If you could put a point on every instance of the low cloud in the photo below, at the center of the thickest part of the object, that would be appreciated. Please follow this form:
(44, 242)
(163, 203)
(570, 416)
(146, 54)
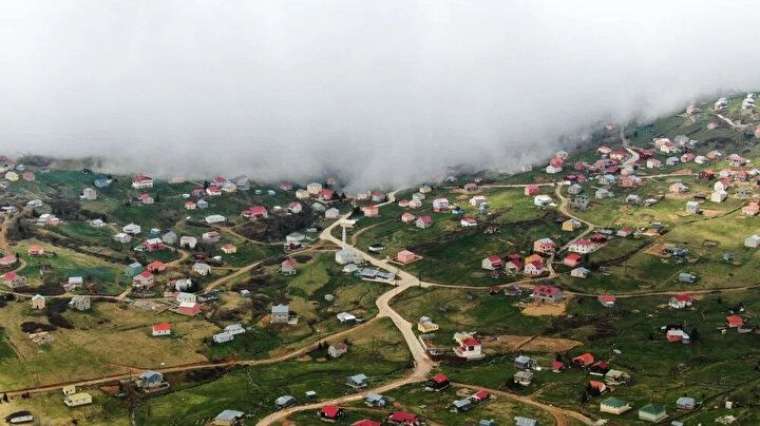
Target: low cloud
(378, 93)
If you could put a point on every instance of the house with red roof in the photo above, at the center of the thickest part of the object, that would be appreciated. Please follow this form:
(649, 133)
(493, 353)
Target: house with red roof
(142, 182)
(534, 265)
(481, 395)
(492, 263)
(153, 244)
(468, 222)
(440, 205)
(295, 207)
(371, 210)
(514, 263)
(424, 222)
(35, 250)
(468, 347)
(532, 190)
(13, 280)
(607, 300)
(734, 321)
(255, 212)
(405, 257)
(156, 267)
(162, 329)
(557, 366)
(8, 260)
(681, 301)
(330, 413)
(572, 260)
(546, 293)
(583, 360)
(544, 246)
(582, 246)
(143, 280)
(407, 217)
(326, 194)
(403, 418)
(366, 422)
(288, 266)
(438, 382)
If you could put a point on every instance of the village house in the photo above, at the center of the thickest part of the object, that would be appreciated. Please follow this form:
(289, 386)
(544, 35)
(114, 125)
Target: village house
(255, 212)
(572, 260)
(579, 202)
(371, 211)
(215, 219)
(153, 244)
(440, 205)
(653, 163)
(337, 350)
(407, 217)
(531, 190)
(718, 196)
(546, 293)
(142, 182)
(332, 213)
(607, 300)
(653, 413)
(201, 269)
(523, 377)
(426, 325)
(280, 314)
(603, 193)
(678, 188)
(582, 246)
(288, 266)
(753, 241)
(692, 207)
(156, 267)
(13, 280)
(406, 257)
(524, 362)
(534, 265)
(424, 222)
(686, 403)
(438, 382)
(614, 406)
(38, 302)
(681, 301)
(228, 418)
(544, 246)
(687, 278)
(187, 241)
(143, 281)
(734, 321)
(492, 263)
(89, 194)
(580, 272)
(468, 347)
(468, 222)
(357, 381)
(80, 303)
(571, 225)
(161, 329)
(542, 200)
(478, 200)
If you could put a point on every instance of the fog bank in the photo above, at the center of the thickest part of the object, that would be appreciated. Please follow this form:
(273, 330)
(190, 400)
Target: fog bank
(380, 93)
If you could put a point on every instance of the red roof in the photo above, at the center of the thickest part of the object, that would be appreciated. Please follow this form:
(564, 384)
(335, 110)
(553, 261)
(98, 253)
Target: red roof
(734, 321)
(607, 298)
(426, 219)
(10, 276)
(156, 265)
(190, 311)
(162, 326)
(683, 297)
(330, 411)
(482, 395)
(557, 365)
(440, 378)
(470, 341)
(327, 193)
(546, 290)
(494, 259)
(366, 422)
(141, 178)
(146, 274)
(584, 359)
(402, 416)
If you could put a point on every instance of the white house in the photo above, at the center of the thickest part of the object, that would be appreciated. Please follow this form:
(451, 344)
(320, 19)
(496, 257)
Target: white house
(202, 269)
(753, 241)
(131, 229)
(215, 219)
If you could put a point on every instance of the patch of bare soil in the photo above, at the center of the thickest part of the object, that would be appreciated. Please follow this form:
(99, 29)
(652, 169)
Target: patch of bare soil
(545, 309)
(515, 343)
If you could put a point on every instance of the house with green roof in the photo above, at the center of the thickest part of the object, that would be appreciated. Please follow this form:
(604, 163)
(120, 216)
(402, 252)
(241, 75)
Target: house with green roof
(654, 413)
(614, 406)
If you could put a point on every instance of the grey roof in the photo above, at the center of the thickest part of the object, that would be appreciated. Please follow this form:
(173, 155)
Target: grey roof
(358, 378)
(525, 421)
(280, 309)
(229, 415)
